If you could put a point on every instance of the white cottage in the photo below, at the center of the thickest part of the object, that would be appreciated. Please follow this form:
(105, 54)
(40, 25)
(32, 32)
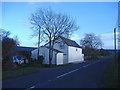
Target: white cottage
(72, 52)
(65, 51)
(44, 51)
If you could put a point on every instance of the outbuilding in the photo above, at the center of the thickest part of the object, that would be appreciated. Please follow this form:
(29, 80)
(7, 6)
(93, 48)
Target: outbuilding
(64, 51)
(57, 58)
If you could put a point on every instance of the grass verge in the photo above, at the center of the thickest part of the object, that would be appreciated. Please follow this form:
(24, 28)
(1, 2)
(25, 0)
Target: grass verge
(18, 72)
(110, 77)
(25, 70)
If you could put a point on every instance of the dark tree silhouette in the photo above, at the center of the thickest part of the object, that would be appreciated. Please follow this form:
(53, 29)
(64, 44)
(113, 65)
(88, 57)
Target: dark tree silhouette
(8, 46)
(90, 44)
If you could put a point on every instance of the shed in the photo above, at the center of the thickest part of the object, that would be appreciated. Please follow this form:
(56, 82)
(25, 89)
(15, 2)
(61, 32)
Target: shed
(57, 58)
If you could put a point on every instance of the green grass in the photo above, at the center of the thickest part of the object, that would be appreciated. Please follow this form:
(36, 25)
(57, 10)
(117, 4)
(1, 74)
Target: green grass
(18, 72)
(10, 71)
(25, 70)
(110, 78)
(54, 66)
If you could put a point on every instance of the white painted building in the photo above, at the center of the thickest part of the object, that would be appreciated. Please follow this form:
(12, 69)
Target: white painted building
(65, 51)
(44, 51)
(72, 52)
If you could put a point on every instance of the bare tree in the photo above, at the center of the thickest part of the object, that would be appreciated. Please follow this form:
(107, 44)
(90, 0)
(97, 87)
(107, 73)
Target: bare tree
(4, 33)
(49, 25)
(90, 44)
(91, 40)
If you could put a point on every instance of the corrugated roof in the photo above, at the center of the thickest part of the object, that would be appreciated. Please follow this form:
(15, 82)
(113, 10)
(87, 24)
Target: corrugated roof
(70, 42)
(21, 48)
(53, 49)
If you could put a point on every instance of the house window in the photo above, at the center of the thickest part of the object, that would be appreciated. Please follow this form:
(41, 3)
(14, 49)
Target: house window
(76, 49)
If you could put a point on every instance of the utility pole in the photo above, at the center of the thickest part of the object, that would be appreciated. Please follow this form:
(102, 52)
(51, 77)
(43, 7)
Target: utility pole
(115, 44)
(118, 31)
(38, 44)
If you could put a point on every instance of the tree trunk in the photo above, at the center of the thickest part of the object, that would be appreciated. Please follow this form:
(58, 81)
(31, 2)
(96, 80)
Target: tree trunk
(50, 52)
(50, 56)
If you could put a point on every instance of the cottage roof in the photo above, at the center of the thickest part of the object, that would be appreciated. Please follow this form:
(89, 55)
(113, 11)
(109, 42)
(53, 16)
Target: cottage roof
(21, 48)
(53, 49)
(70, 42)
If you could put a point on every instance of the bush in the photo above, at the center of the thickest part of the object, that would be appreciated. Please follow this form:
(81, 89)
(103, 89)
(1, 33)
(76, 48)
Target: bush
(36, 62)
(7, 64)
(40, 59)
(103, 52)
(27, 54)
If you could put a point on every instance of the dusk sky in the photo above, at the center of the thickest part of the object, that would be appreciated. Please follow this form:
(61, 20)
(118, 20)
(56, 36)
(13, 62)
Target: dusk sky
(92, 17)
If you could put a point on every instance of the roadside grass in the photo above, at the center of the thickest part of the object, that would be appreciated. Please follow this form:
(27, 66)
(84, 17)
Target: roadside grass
(54, 66)
(18, 72)
(25, 70)
(110, 77)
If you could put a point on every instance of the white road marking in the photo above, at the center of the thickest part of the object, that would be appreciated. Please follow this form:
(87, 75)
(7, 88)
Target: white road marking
(76, 69)
(31, 88)
(90, 64)
(67, 73)
(87, 65)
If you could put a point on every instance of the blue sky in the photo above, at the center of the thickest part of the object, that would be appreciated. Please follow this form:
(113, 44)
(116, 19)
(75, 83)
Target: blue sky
(92, 17)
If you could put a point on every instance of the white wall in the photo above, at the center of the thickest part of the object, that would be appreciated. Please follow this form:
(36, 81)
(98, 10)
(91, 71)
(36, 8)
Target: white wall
(54, 58)
(45, 53)
(46, 56)
(70, 54)
(64, 49)
(75, 54)
(59, 58)
(34, 53)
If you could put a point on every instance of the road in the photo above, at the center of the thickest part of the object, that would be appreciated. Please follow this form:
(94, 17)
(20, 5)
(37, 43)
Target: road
(83, 75)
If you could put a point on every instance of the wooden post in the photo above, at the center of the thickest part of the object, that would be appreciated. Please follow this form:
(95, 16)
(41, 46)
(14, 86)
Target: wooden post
(118, 32)
(38, 44)
(115, 44)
